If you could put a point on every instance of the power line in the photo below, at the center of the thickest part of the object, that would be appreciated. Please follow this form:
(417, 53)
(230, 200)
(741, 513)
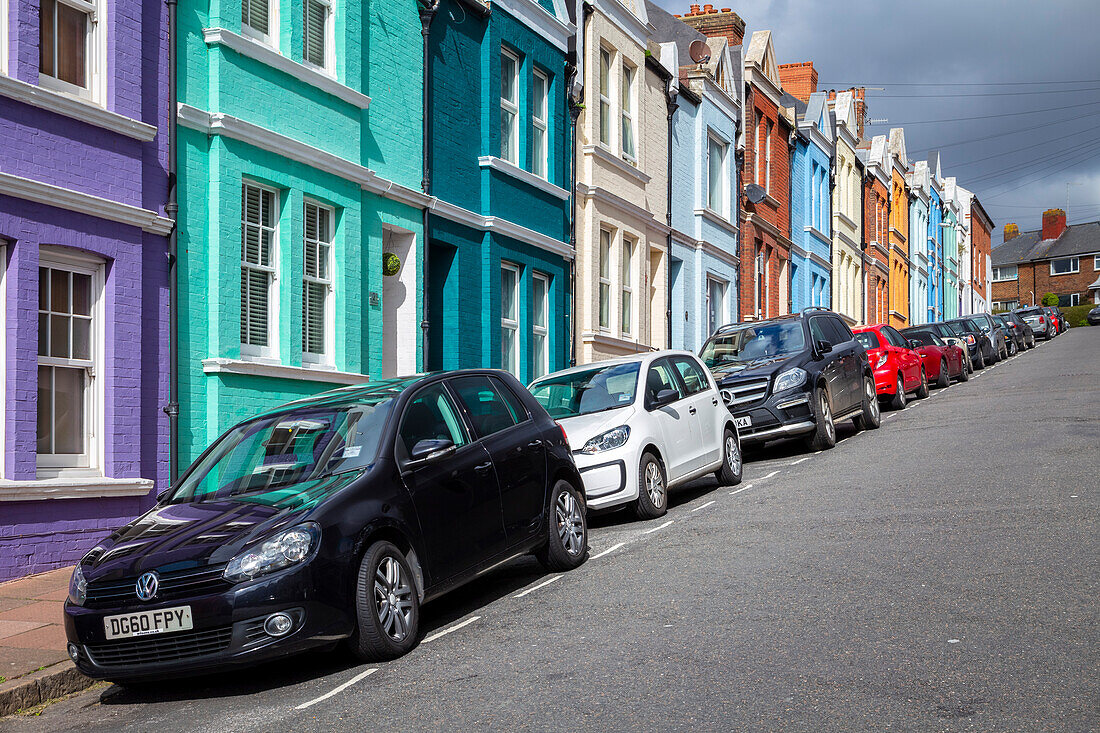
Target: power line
(1047, 141)
(999, 134)
(986, 117)
(960, 83)
(1048, 175)
(1043, 160)
(982, 94)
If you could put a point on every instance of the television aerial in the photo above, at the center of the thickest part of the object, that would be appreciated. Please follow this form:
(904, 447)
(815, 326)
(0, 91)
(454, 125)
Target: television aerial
(699, 51)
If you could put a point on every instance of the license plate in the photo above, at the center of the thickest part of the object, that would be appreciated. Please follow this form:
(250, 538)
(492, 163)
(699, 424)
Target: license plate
(144, 623)
(743, 422)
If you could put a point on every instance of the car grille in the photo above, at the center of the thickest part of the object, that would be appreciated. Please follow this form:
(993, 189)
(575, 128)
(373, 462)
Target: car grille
(168, 648)
(176, 584)
(742, 393)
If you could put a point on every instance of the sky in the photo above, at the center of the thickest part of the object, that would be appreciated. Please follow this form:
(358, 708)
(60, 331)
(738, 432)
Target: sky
(937, 61)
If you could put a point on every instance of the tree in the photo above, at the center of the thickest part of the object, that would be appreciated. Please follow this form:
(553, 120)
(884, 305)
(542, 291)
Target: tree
(1049, 299)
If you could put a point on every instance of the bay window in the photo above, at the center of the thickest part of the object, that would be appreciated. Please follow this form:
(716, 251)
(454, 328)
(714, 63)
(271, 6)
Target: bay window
(509, 107)
(605, 278)
(258, 270)
(716, 176)
(317, 327)
(626, 276)
(716, 304)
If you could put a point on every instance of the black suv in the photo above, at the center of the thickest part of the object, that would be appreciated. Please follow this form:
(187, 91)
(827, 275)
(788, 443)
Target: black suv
(334, 517)
(793, 375)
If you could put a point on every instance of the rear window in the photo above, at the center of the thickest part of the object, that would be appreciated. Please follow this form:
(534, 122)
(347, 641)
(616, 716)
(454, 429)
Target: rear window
(869, 339)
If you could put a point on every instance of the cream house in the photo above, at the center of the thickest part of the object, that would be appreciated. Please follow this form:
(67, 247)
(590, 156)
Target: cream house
(847, 257)
(621, 183)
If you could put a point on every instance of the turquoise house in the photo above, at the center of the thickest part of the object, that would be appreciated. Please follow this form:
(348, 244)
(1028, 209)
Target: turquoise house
(704, 263)
(300, 204)
(920, 188)
(499, 253)
(936, 265)
(811, 204)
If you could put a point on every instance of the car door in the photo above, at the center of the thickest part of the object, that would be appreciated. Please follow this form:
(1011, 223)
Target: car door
(671, 422)
(457, 498)
(844, 342)
(514, 442)
(908, 360)
(703, 406)
(831, 367)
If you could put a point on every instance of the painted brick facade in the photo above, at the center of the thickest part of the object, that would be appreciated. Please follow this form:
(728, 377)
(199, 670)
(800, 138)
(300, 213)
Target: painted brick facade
(811, 204)
(120, 237)
(876, 225)
(899, 230)
(847, 278)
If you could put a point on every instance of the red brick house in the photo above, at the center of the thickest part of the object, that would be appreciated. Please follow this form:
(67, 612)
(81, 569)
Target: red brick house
(981, 232)
(876, 226)
(1058, 258)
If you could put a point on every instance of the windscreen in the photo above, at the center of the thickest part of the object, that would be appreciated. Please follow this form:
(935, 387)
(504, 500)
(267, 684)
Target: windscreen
(587, 391)
(754, 341)
(869, 339)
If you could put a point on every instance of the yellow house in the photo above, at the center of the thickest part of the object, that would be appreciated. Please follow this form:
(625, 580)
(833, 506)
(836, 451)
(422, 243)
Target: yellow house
(899, 230)
(847, 225)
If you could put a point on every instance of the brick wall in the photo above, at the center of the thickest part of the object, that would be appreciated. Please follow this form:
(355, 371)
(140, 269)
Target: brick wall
(715, 23)
(799, 79)
(1035, 277)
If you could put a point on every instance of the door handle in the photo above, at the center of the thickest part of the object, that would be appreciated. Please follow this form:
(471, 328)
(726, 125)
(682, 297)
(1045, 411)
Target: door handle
(483, 467)
(714, 401)
(691, 409)
(535, 444)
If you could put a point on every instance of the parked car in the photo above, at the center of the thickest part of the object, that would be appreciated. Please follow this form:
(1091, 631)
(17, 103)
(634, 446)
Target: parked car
(942, 361)
(1063, 324)
(641, 425)
(1054, 319)
(795, 375)
(994, 331)
(1040, 321)
(333, 517)
(978, 346)
(1021, 326)
(897, 367)
(1014, 341)
(1094, 316)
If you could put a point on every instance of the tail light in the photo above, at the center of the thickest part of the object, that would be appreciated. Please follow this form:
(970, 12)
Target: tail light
(881, 359)
(970, 339)
(1041, 320)
(564, 436)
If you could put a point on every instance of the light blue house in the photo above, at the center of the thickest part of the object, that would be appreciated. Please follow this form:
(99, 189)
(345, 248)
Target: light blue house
(704, 264)
(920, 189)
(811, 205)
(936, 265)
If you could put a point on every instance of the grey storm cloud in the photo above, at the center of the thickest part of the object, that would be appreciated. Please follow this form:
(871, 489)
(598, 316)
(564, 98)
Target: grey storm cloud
(942, 60)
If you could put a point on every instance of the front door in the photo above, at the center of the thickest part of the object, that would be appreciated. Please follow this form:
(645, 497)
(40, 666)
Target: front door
(672, 420)
(457, 498)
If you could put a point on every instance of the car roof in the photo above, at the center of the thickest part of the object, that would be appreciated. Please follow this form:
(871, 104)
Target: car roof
(640, 358)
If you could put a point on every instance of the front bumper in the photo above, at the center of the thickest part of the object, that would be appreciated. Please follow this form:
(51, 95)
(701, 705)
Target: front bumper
(775, 416)
(228, 630)
(610, 477)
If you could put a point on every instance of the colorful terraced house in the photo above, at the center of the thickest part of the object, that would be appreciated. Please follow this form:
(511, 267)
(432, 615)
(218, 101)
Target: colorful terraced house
(936, 266)
(876, 222)
(899, 229)
(847, 231)
(919, 184)
(811, 204)
(952, 293)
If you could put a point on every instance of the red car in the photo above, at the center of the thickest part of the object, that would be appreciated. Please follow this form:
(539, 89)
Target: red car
(942, 361)
(898, 369)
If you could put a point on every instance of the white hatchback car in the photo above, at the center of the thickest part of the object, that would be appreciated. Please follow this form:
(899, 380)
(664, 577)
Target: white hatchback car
(641, 424)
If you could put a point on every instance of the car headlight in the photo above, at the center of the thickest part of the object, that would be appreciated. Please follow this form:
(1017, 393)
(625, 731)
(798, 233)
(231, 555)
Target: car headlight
(880, 360)
(287, 548)
(78, 587)
(790, 379)
(614, 438)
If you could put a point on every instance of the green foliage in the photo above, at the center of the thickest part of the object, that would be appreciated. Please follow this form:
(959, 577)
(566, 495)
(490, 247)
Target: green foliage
(1077, 315)
(391, 264)
(1049, 299)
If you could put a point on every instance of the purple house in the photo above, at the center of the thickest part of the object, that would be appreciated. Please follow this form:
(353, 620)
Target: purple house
(83, 273)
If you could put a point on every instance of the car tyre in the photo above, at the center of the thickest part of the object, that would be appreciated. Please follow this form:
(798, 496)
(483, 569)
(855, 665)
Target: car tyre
(945, 377)
(566, 530)
(981, 360)
(899, 399)
(387, 605)
(824, 435)
(652, 488)
(733, 464)
(871, 417)
(964, 374)
(922, 390)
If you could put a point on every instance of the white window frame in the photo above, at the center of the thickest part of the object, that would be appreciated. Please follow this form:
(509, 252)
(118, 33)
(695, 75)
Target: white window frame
(540, 356)
(722, 194)
(3, 340)
(89, 463)
(1074, 299)
(628, 114)
(603, 271)
(768, 129)
(511, 324)
(271, 38)
(328, 35)
(603, 84)
(627, 304)
(329, 337)
(95, 53)
(3, 70)
(510, 106)
(999, 277)
(540, 126)
(271, 351)
(722, 309)
(1075, 265)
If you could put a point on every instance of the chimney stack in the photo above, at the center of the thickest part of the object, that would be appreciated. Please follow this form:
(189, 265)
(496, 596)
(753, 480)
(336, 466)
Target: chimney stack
(800, 80)
(714, 23)
(1054, 223)
(859, 95)
(1011, 231)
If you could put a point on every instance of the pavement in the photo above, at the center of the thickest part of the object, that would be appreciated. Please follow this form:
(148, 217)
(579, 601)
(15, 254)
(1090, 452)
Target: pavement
(937, 574)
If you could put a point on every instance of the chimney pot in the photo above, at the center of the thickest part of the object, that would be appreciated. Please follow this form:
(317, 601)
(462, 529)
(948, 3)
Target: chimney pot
(708, 8)
(1011, 231)
(694, 9)
(1054, 223)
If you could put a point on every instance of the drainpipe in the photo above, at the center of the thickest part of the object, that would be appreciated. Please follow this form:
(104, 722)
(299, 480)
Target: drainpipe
(671, 105)
(791, 138)
(171, 208)
(739, 161)
(576, 104)
(427, 14)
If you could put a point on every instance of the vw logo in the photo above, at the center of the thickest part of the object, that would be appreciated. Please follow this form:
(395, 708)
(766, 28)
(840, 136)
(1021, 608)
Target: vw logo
(147, 586)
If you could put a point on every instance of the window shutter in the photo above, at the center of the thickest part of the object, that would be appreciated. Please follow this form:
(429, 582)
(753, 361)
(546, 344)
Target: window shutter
(315, 18)
(254, 13)
(313, 318)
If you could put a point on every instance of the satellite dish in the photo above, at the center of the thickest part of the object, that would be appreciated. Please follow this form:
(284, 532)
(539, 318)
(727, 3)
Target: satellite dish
(754, 193)
(699, 51)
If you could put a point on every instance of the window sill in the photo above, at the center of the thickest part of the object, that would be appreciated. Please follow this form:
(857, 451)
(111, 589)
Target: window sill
(267, 55)
(846, 219)
(253, 368)
(820, 235)
(75, 107)
(90, 487)
(1061, 274)
(618, 163)
(499, 164)
(713, 216)
(606, 339)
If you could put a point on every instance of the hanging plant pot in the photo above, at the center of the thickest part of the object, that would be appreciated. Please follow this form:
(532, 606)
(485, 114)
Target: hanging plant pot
(391, 264)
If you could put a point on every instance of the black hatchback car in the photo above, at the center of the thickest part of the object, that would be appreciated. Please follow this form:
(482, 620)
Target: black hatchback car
(978, 346)
(334, 517)
(795, 375)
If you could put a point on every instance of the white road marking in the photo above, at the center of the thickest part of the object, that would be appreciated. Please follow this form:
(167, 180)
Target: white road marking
(800, 460)
(768, 476)
(608, 551)
(743, 488)
(887, 417)
(651, 531)
(444, 632)
(339, 688)
(953, 641)
(534, 588)
(703, 506)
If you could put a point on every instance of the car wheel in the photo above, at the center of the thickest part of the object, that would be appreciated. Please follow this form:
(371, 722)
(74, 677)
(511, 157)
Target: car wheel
(567, 531)
(899, 400)
(944, 378)
(964, 373)
(922, 390)
(871, 417)
(981, 360)
(652, 488)
(824, 435)
(732, 466)
(387, 606)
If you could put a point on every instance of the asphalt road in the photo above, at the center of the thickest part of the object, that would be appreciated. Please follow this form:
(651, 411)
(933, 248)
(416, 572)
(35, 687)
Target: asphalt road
(938, 574)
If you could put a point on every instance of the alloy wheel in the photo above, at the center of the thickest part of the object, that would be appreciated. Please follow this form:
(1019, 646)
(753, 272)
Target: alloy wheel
(654, 484)
(827, 416)
(872, 398)
(393, 598)
(733, 455)
(570, 523)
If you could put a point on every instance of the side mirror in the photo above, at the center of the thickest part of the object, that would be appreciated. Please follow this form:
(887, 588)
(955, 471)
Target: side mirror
(665, 397)
(163, 495)
(822, 347)
(915, 344)
(426, 451)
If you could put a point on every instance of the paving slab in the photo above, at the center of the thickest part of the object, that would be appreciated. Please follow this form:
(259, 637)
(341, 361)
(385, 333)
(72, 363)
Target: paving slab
(47, 612)
(51, 636)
